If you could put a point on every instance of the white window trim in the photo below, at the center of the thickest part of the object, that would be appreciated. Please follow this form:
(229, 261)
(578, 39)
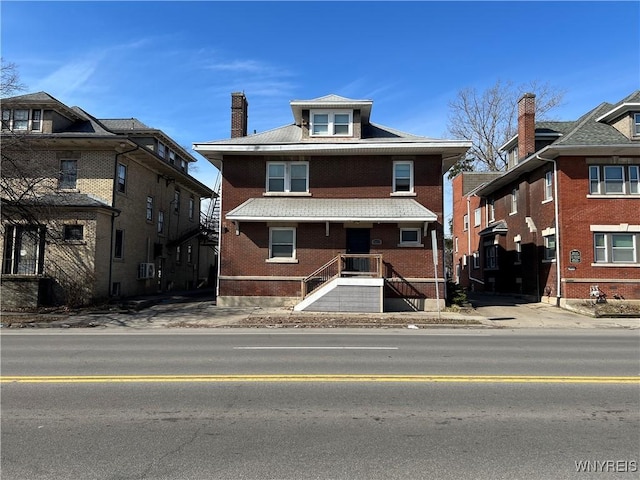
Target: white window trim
(411, 178)
(411, 244)
(477, 217)
(293, 258)
(287, 179)
(636, 124)
(608, 249)
(548, 187)
(331, 123)
(546, 234)
(514, 201)
(492, 210)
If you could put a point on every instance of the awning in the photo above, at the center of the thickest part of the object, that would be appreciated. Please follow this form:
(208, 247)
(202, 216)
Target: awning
(332, 210)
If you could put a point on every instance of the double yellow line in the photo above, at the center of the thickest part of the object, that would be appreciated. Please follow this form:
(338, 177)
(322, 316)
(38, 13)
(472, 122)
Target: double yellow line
(328, 378)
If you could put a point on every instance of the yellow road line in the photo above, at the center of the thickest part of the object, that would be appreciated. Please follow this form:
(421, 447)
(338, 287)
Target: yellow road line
(354, 378)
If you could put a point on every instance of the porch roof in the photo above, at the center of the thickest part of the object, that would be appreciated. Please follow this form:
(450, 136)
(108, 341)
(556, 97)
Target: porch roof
(334, 210)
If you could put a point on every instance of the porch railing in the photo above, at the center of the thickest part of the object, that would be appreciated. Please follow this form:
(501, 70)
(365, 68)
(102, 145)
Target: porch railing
(343, 265)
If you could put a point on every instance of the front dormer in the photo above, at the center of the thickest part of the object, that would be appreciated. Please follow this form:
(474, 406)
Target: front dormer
(331, 118)
(625, 117)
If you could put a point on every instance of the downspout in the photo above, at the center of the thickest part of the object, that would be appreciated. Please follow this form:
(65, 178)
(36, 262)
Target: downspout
(481, 282)
(113, 215)
(556, 199)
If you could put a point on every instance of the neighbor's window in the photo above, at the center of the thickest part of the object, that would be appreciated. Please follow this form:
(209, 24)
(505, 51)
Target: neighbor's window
(403, 176)
(161, 222)
(192, 207)
(36, 120)
(178, 254)
(518, 258)
(548, 185)
(476, 260)
(176, 201)
(615, 247)
(514, 200)
(68, 174)
(492, 210)
(410, 236)
(550, 247)
(73, 233)
(282, 242)
(149, 209)
(122, 178)
(189, 253)
(118, 249)
(172, 157)
(477, 217)
(465, 222)
(161, 149)
(22, 119)
(287, 177)
(636, 123)
(331, 123)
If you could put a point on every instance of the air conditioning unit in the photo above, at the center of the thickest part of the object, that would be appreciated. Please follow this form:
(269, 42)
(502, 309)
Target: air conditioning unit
(146, 270)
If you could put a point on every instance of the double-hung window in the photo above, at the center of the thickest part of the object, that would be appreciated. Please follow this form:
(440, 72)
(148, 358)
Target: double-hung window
(149, 209)
(122, 178)
(192, 207)
(118, 247)
(330, 123)
(282, 243)
(636, 124)
(465, 222)
(477, 217)
(548, 185)
(160, 222)
(22, 119)
(161, 149)
(514, 201)
(68, 174)
(614, 179)
(615, 248)
(492, 210)
(402, 177)
(288, 177)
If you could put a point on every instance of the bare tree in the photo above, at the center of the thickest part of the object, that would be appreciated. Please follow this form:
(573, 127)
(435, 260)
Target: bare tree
(489, 119)
(9, 79)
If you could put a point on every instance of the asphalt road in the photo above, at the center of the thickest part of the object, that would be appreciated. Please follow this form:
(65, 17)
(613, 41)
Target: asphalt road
(374, 405)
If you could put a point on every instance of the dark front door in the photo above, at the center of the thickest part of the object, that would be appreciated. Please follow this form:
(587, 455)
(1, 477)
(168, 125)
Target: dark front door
(358, 241)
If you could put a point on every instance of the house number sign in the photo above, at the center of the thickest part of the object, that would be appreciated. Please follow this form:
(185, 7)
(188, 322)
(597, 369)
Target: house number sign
(574, 256)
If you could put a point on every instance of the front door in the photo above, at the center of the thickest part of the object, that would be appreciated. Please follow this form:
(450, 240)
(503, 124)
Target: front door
(358, 241)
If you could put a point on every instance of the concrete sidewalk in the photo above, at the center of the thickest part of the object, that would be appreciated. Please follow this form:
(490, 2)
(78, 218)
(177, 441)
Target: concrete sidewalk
(181, 311)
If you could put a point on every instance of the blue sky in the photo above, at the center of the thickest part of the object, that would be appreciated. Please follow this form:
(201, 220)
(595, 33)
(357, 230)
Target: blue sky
(173, 65)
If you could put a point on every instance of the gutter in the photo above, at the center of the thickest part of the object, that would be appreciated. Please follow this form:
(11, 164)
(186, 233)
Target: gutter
(556, 199)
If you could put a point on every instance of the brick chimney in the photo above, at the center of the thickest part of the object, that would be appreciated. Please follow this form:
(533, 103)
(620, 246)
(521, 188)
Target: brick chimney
(526, 125)
(239, 115)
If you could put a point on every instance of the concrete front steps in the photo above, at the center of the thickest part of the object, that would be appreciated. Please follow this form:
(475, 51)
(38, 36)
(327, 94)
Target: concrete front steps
(344, 294)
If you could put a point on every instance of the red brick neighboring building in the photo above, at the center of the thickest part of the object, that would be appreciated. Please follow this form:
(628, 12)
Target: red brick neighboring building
(566, 212)
(297, 199)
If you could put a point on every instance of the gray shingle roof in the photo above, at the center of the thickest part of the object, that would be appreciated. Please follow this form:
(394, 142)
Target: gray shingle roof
(472, 180)
(68, 199)
(496, 227)
(124, 124)
(298, 209)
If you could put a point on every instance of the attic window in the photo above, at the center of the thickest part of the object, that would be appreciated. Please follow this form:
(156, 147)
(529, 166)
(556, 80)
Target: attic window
(331, 123)
(636, 124)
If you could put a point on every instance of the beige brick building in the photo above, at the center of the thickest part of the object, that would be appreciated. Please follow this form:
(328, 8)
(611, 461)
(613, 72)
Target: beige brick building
(94, 209)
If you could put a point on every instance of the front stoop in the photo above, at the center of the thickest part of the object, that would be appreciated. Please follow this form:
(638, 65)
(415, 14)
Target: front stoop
(344, 294)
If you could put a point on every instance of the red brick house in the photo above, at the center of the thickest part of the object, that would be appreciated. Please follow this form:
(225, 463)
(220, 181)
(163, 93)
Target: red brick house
(564, 216)
(331, 212)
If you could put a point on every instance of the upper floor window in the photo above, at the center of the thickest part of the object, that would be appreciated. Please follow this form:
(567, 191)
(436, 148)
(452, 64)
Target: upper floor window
(403, 177)
(183, 165)
(514, 200)
(615, 248)
(122, 178)
(172, 157)
(548, 185)
(287, 177)
(477, 217)
(161, 149)
(118, 247)
(189, 253)
(465, 222)
(192, 207)
(492, 210)
(334, 123)
(22, 120)
(160, 222)
(636, 123)
(176, 201)
(149, 209)
(68, 174)
(614, 179)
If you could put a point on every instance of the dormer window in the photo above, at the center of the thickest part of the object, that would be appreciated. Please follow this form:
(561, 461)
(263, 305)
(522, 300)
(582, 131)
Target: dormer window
(331, 123)
(636, 124)
(22, 120)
